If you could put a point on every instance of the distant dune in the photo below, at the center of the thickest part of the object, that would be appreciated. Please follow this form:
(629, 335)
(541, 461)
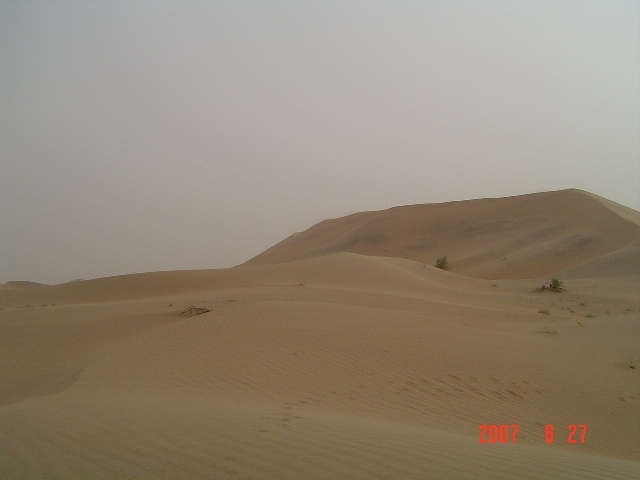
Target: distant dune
(342, 353)
(20, 284)
(516, 237)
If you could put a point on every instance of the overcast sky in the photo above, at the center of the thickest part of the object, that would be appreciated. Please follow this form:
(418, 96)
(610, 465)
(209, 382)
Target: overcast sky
(140, 136)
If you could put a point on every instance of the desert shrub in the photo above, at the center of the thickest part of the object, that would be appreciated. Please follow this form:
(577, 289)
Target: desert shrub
(544, 312)
(442, 263)
(554, 286)
(632, 362)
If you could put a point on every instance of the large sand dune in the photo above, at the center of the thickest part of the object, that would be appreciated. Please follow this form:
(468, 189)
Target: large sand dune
(322, 361)
(516, 237)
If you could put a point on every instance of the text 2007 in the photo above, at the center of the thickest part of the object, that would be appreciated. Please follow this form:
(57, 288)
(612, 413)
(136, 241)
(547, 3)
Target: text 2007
(497, 433)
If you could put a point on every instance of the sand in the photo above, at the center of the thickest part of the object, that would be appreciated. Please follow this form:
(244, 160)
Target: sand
(327, 363)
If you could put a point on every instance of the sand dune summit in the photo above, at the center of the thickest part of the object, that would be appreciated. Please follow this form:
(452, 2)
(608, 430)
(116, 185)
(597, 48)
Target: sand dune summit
(341, 352)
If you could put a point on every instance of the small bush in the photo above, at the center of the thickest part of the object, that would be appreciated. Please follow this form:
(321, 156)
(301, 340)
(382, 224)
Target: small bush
(442, 263)
(556, 284)
(544, 312)
(591, 315)
(632, 362)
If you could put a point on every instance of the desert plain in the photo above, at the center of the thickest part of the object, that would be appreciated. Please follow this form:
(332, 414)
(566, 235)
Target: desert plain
(343, 353)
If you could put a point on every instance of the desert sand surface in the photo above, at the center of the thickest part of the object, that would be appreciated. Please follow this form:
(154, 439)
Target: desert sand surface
(342, 353)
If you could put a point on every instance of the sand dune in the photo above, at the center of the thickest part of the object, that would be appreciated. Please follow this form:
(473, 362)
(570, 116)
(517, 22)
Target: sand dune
(516, 237)
(625, 261)
(341, 364)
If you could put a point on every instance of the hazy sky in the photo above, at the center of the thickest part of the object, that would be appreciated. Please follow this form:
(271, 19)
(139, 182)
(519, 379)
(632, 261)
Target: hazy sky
(140, 136)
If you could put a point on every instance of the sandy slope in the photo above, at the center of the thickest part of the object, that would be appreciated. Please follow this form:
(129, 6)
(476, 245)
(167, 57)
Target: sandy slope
(516, 237)
(339, 366)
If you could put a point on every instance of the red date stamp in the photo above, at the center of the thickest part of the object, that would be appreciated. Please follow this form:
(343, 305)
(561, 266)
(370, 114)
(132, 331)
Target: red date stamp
(506, 433)
(498, 432)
